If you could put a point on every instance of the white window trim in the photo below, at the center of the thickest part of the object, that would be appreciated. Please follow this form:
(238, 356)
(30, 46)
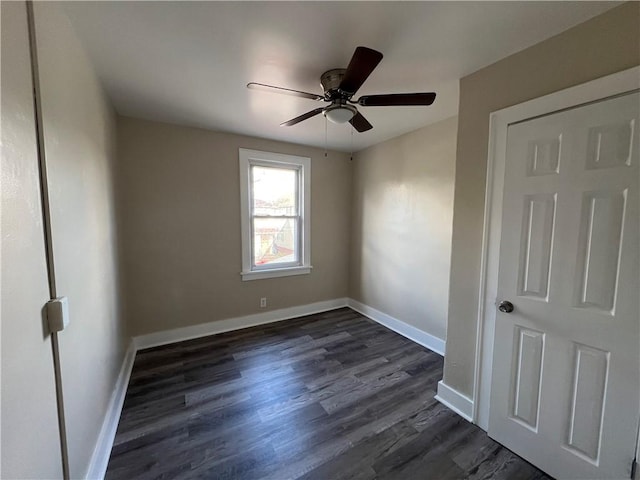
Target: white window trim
(256, 157)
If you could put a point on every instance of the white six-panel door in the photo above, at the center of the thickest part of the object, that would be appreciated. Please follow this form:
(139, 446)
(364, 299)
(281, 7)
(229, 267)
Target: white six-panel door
(565, 389)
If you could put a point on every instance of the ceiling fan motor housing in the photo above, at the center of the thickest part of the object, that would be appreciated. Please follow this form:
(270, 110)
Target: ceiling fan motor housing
(330, 81)
(338, 111)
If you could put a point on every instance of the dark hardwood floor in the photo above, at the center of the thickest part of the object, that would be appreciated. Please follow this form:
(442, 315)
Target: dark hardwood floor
(327, 396)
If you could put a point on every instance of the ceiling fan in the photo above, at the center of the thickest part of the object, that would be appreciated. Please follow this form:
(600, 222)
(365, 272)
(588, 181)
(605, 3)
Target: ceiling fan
(340, 85)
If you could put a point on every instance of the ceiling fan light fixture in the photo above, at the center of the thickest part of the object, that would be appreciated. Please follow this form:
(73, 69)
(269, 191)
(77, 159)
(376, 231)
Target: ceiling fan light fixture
(339, 113)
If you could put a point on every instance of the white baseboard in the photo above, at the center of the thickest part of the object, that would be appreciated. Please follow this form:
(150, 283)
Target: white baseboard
(414, 334)
(100, 457)
(456, 401)
(237, 323)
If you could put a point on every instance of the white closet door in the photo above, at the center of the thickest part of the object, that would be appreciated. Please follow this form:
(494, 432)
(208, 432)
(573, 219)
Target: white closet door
(566, 380)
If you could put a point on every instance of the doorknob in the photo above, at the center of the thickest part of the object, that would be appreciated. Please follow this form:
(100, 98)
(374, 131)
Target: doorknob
(505, 306)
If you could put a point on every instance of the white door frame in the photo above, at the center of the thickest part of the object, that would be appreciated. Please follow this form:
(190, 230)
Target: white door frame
(611, 85)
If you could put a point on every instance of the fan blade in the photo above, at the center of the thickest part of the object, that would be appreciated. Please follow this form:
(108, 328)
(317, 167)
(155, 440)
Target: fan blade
(285, 91)
(397, 99)
(362, 63)
(302, 117)
(360, 123)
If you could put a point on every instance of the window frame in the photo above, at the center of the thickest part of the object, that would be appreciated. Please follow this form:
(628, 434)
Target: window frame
(302, 165)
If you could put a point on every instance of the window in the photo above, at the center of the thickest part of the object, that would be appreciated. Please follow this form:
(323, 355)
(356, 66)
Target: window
(274, 201)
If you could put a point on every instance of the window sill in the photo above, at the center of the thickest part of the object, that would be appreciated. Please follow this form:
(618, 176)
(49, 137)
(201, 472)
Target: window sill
(276, 272)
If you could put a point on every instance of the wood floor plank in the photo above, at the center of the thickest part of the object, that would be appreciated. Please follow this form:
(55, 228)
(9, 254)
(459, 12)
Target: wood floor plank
(357, 461)
(326, 396)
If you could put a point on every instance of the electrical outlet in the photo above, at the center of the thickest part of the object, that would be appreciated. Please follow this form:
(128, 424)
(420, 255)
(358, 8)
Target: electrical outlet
(263, 302)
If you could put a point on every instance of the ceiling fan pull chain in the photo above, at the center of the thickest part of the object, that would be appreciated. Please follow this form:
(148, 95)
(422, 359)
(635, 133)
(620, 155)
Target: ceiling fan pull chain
(325, 137)
(351, 130)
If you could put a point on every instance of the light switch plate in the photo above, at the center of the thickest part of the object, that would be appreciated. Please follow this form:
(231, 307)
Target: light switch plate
(58, 314)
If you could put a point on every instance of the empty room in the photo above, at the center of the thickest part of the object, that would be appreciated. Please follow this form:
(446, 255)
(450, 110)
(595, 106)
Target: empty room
(320, 240)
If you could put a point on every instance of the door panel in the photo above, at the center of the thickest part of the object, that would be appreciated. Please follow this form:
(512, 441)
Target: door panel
(527, 368)
(535, 250)
(566, 382)
(599, 249)
(590, 371)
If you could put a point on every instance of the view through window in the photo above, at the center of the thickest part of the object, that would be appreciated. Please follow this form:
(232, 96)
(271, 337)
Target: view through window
(275, 219)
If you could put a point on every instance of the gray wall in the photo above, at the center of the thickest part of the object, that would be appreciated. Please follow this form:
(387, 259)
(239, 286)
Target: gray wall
(80, 145)
(180, 225)
(401, 226)
(79, 134)
(603, 45)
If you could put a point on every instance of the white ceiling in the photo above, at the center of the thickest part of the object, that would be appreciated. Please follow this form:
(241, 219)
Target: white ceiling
(189, 62)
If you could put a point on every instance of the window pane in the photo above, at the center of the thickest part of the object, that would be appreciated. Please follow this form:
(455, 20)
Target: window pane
(274, 241)
(274, 191)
